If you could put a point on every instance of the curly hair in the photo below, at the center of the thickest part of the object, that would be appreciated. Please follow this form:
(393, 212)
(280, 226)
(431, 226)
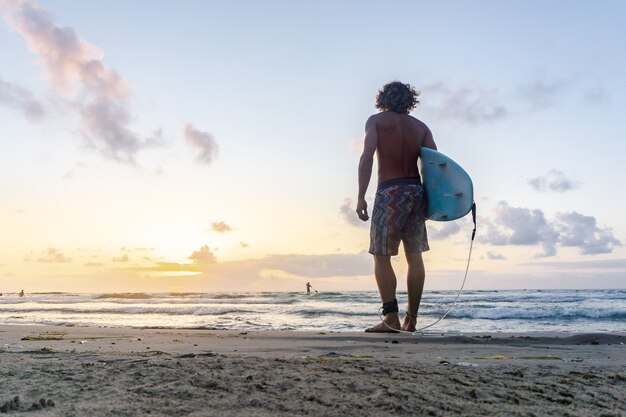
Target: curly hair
(397, 97)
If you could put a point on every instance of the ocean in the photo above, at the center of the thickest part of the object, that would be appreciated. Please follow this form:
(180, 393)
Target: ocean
(475, 311)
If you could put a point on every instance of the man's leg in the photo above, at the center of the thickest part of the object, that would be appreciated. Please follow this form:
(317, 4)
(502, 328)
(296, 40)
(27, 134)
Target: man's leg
(415, 285)
(386, 281)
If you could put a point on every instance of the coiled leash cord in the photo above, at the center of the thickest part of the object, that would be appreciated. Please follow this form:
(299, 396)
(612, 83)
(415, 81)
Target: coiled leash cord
(469, 257)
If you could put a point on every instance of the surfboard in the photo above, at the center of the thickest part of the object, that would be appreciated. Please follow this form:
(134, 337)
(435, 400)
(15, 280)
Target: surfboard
(449, 189)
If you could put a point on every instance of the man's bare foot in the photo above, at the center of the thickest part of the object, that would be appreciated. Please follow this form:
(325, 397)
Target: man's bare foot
(391, 324)
(409, 323)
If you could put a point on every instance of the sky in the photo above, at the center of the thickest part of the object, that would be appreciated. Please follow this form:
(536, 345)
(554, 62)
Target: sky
(213, 146)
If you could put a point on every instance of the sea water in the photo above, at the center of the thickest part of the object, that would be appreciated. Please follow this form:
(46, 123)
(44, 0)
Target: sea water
(475, 311)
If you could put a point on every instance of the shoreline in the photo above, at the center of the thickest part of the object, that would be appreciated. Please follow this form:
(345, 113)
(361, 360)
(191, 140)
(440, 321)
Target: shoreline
(547, 333)
(129, 371)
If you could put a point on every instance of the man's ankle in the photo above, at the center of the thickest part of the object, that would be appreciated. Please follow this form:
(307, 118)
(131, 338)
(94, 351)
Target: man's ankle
(390, 307)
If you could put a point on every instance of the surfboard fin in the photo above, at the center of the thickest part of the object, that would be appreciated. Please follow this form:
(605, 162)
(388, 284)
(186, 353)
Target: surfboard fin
(440, 163)
(454, 193)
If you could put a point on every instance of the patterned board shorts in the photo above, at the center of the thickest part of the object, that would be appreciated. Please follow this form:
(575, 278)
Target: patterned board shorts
(398, 215)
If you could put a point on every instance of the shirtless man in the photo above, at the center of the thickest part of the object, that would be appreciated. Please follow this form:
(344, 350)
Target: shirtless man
(399, 207)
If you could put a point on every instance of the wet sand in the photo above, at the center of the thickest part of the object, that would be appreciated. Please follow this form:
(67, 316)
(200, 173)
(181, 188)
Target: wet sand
(73, 371)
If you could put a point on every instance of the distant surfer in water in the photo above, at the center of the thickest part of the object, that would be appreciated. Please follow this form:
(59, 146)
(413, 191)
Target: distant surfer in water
(308, 288)
(399, 206)
(21, 293)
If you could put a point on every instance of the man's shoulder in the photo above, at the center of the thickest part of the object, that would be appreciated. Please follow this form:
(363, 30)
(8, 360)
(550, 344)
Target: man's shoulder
(416, 120)
(382, 117)
(391, 117)
(419, 123)
(374, 117)
(372, 120)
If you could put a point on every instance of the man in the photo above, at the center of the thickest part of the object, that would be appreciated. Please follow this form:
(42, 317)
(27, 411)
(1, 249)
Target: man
(399, 206)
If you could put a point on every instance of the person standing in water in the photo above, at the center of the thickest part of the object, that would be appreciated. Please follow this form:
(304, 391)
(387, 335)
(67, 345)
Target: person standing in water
(21, 293)
(308, 288)
(399, 206)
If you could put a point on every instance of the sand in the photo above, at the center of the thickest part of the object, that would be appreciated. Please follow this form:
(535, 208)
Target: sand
(72, 371)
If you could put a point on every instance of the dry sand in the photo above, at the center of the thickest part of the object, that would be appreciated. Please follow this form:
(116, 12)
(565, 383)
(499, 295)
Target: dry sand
(136, 372)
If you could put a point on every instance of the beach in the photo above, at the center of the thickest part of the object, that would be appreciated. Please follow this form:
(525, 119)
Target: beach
(78, 371)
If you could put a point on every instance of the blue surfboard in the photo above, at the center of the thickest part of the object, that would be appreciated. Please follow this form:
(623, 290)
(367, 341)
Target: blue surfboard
(449, 189)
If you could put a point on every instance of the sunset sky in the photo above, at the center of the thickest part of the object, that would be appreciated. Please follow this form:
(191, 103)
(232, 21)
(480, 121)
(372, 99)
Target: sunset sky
(213, 145)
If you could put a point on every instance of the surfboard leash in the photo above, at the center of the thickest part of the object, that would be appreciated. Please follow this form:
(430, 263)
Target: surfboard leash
(469, 257)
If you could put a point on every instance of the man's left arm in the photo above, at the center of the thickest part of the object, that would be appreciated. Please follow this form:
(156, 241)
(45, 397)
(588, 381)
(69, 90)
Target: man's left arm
(365, 166)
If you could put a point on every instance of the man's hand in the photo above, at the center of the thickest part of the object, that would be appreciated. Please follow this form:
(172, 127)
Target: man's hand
(361, 210)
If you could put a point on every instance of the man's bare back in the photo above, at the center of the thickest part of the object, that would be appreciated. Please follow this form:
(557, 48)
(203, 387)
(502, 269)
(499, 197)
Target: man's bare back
(399, 138)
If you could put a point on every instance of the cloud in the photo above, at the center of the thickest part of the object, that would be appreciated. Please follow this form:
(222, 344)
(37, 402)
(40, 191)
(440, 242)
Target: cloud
(468, 104)
(71, 173)
(442, 232)
(296, 265)
(220, 227)
(286, 272)
(204, 256)
(12, 95)
(72, 64)
(13, 211)
(326, 265)
(495, 256)
(553, 180)
(607, 264)
(543, 92)
(523, 226)
(123, 258)
(581, 231)
(139, 249)
(52, 255)
(348, 213)
(65, 56)
(596, 95)
(105, 129)
(520, 226)
(204, 141)
(202, 259)
(170, 267)
(244, 244)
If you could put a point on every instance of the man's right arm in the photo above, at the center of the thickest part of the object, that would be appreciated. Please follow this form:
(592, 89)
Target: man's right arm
(365, 166)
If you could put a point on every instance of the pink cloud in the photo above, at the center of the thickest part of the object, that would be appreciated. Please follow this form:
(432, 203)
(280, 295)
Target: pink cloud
(75, 68)
(12, 95)
(65, 56)
(203, 141)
